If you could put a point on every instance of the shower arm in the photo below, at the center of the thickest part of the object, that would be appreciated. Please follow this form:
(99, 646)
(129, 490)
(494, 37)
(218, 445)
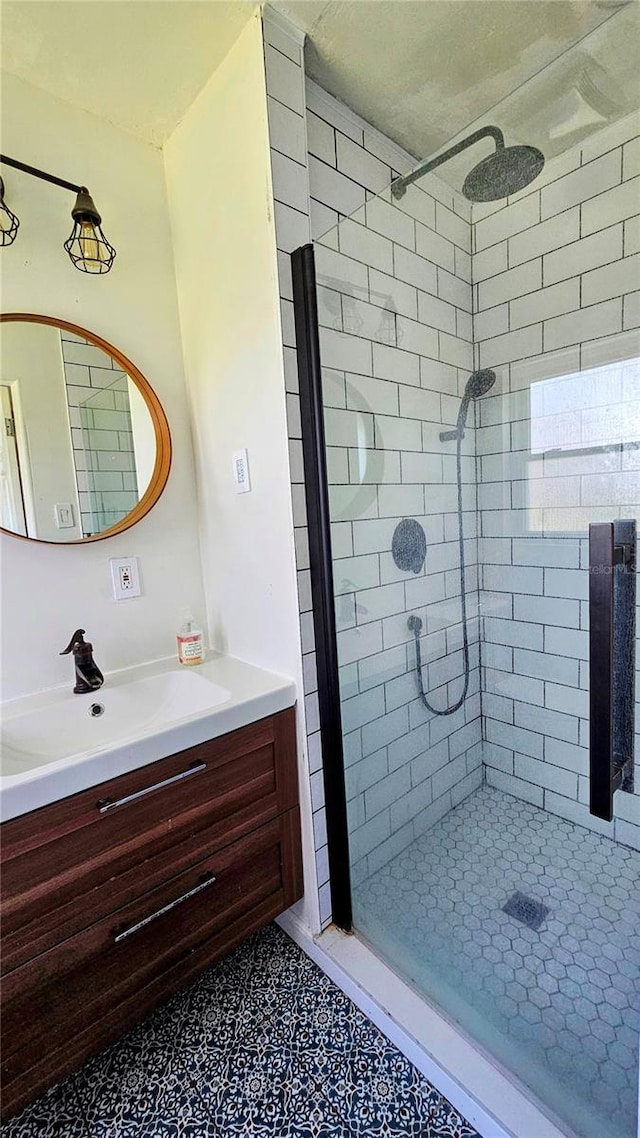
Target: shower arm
(399, 186)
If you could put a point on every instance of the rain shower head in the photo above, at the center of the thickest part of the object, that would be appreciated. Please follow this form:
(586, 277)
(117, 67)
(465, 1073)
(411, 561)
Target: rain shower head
(507, 170)
(478, 383)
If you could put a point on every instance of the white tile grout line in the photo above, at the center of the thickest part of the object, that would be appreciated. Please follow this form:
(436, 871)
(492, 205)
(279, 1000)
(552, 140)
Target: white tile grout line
(488, 1099)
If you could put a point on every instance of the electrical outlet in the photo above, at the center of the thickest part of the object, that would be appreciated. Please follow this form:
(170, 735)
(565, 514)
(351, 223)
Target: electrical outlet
(125, 577)
(241, 472)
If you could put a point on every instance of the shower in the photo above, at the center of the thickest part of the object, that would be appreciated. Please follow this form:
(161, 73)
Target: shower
(507, 170)
(469, 606)
(478, 384)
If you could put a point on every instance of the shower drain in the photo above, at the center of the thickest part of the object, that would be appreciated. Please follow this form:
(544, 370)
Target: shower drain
(526, 910)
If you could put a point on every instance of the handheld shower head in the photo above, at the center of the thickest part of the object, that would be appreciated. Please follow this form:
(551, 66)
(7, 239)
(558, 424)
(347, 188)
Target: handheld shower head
(478, 383)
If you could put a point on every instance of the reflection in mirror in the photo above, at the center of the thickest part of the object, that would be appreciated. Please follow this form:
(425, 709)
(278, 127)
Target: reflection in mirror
(79, 436)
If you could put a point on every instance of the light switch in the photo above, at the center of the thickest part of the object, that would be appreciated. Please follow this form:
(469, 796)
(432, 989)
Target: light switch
(64, 515)
(241, 472)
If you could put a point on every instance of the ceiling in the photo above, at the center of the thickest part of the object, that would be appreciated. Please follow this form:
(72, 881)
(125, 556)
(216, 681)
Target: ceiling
(422, 71)
(139, 64)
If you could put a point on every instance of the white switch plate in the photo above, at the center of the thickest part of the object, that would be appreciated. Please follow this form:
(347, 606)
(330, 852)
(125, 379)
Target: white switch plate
(241, 472)
(125, 577)
(64, 515)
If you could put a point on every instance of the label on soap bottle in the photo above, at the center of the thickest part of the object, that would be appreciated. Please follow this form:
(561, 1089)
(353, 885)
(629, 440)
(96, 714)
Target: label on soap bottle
(190, 648)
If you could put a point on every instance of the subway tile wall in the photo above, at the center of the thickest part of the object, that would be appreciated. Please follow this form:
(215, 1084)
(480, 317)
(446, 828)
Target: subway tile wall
(395, 334)
(284, 73)
(394, 309)
(101, 434)
(556, 272)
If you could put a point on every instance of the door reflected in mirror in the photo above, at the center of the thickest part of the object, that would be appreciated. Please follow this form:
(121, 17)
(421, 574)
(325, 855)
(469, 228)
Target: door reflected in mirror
(85, 446)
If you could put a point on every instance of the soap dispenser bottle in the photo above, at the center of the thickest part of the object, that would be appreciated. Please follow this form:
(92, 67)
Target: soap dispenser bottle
(190, 642)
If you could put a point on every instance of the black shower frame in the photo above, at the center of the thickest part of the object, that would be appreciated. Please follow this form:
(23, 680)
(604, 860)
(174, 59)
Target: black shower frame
(321, 567)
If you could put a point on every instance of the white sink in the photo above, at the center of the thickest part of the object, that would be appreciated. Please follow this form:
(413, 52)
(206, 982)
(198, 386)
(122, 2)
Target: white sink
(83, 724)
(55, 743)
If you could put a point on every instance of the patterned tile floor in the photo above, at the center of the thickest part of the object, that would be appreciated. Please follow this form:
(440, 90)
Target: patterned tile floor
(556, 999)
(263, 1044)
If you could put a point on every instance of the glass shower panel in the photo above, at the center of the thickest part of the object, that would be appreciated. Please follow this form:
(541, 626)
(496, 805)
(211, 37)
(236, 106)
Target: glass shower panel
(396, 358)
(477, 870)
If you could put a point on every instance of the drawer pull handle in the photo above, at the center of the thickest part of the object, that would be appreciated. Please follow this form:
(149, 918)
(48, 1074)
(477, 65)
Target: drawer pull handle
(106, 804)
(206, 880)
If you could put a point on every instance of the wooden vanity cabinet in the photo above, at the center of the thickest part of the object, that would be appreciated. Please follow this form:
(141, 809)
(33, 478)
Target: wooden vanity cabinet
(116, 897)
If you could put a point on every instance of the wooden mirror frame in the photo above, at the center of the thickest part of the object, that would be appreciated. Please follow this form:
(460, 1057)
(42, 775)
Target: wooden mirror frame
(162, 464)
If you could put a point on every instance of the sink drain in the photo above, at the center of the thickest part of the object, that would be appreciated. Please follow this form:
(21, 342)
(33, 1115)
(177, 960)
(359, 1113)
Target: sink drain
(96, 710)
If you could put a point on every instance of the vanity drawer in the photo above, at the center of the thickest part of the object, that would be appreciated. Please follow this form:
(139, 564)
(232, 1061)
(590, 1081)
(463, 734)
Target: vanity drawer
(67, 865)
(62, 1002)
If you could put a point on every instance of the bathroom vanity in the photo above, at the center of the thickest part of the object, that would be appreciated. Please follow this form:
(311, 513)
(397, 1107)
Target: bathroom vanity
(117, 895)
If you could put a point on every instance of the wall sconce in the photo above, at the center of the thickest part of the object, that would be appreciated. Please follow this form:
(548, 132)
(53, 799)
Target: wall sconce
(87, 246)
(9, 223)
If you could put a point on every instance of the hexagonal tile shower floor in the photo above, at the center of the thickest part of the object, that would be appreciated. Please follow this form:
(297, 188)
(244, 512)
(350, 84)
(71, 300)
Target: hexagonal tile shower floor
(557, 1003)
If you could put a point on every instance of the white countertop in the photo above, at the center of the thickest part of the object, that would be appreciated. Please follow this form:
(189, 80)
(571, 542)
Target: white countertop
(27, 783)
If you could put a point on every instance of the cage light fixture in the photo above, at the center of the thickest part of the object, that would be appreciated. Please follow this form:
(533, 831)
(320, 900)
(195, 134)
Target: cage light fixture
(9, 223)
(87, 246)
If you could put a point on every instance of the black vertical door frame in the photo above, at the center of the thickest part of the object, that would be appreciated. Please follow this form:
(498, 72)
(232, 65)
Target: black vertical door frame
(612, 638)
(319, 527)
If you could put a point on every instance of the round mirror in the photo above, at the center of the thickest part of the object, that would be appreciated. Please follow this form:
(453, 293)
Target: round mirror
(85, 445)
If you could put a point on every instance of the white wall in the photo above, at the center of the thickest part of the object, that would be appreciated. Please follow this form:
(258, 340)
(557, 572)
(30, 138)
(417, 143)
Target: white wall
(47, 591)
(220, 199)
(219, 195)
(144, 443)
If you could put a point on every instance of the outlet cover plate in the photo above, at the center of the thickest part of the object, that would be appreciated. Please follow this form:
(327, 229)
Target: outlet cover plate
(125, 576)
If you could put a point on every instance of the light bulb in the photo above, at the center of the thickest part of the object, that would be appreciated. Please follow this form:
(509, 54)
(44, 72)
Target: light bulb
(93, 253)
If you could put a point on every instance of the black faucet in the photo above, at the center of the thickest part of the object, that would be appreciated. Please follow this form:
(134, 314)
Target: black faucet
(88, 675)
